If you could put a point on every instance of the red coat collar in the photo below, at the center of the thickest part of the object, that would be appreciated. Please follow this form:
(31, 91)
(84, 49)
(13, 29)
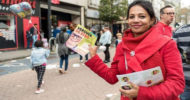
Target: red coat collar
(151, 43)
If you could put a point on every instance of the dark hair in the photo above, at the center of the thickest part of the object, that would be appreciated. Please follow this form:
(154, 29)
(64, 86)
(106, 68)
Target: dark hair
(38, 43)
(144, 4)
(162, 9)
(62, 35)
(63, 29)
(35, 24)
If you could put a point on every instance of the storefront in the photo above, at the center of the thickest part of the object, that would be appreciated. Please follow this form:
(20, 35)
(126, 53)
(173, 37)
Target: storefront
(8, 33)
(62, 14)
(12, 28)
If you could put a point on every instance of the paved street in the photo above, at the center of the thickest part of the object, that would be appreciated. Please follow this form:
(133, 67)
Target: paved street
(78, 84)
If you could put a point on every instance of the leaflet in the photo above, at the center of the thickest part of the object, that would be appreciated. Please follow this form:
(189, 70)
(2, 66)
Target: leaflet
(145, 78)
(80, 39)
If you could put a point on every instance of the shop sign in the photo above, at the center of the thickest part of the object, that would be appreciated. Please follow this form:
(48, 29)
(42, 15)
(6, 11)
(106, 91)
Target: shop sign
(92, 13)
(55, 1)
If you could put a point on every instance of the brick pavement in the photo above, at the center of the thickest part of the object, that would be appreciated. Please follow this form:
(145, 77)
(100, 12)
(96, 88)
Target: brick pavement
(78, 84)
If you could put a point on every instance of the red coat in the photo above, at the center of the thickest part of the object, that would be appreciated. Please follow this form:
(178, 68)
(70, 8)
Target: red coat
(166, 56)
(166, 30)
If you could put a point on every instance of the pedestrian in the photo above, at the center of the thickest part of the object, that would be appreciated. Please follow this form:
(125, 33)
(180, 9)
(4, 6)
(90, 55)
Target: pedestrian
(42, 34)
(63, 51)
(119, 38)
(56, 31)
(34, 32)
(167, 15)
(143, 47)
(81, 58)
(105, 40)
(39, 61)
(29, 38)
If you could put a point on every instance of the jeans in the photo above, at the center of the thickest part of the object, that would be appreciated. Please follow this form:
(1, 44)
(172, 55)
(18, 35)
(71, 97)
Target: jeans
(64, 57)
(34, 39)
(107, 53)
(28, 43)
(86, 56)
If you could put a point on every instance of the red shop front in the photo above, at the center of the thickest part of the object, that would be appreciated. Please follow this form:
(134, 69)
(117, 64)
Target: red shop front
(12, 28)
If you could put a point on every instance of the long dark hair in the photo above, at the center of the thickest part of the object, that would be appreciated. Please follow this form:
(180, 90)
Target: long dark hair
(61, 35)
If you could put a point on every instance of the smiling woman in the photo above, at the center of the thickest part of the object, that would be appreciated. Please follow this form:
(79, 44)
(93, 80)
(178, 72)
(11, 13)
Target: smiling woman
(139, 20)
(150, 49)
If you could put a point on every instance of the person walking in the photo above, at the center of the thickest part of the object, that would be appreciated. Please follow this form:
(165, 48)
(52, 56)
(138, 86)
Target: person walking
(105, 40)
(39, 61)
(63, 51)
(29, 38)
(81, 58)
(143, 47)
(34, 32)
(167, 15)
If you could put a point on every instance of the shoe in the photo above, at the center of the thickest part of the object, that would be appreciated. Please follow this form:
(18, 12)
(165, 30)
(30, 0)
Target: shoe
(81, 61)
(39, 91)
(43, 82)
(64, 72)
(60, 71)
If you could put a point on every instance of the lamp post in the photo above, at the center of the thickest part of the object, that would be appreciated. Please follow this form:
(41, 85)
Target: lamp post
(49, 19)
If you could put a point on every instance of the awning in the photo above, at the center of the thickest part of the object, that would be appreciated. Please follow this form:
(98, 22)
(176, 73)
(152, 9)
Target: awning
(45, 6)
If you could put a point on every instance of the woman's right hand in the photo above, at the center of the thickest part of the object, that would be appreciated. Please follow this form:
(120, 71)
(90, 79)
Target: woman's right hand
(92, 50)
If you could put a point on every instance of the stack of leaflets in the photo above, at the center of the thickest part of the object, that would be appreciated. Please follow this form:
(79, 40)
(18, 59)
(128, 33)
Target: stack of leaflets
(80, 39)
(145, 78)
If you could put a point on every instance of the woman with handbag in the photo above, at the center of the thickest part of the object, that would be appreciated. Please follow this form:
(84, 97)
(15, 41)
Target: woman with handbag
(63, 51)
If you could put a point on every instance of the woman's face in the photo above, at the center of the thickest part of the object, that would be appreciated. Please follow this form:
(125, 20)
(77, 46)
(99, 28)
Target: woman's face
(139, 20)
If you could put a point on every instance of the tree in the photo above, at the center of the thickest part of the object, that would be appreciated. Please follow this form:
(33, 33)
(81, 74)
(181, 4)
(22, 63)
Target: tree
(111, 10)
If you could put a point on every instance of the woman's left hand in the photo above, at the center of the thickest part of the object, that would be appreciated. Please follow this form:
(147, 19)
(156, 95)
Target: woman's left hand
(132, 93)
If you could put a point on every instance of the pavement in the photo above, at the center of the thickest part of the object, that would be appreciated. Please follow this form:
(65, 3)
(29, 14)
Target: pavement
(79, 83)
(15, 54)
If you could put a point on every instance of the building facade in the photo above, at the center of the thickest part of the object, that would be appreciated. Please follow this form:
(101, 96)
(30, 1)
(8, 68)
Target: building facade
(12, 35)
(13, 29)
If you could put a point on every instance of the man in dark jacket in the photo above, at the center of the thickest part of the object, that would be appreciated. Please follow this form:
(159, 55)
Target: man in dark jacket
(34, 32)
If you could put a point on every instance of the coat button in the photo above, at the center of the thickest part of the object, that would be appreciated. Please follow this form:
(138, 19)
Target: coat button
(132, 53)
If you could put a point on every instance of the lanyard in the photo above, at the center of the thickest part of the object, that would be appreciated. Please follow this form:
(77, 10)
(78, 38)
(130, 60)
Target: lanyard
(125, 61)
(132, 53)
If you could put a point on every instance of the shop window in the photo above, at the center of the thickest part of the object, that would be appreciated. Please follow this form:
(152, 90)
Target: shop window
(7, 31)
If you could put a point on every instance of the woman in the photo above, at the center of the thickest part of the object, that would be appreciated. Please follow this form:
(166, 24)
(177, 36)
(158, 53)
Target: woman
(63, 51)
(143, 47)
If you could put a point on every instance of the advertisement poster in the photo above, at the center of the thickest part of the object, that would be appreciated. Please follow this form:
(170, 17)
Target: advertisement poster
(145, 78)
(8, 34)
(80, 39)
